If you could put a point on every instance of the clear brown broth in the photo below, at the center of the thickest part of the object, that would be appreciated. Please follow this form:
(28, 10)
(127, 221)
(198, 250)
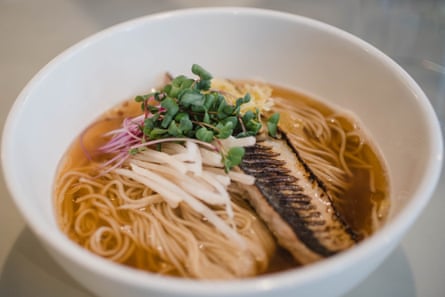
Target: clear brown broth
(357, 210)
(359, 199)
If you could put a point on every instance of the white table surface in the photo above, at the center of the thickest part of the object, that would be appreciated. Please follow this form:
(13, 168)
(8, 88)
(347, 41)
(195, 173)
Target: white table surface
(412, 32)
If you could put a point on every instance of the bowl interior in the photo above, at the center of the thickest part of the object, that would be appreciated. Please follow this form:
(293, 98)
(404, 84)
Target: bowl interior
(129, 59)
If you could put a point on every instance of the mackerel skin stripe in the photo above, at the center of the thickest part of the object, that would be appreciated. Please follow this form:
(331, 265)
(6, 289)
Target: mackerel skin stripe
(293, 202)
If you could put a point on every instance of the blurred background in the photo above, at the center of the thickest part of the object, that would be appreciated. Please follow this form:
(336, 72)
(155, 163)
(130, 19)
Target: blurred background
(411, 32)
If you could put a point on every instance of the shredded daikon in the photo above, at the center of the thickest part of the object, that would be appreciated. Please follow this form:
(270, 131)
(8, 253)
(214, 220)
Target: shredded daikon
(231, 141)
(174, 194)
(191, 174)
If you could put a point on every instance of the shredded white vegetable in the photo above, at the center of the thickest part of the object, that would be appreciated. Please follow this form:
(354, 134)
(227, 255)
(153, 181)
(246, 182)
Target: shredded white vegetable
(193, 175)
(231, 141)
(154, 156)
(211, 158)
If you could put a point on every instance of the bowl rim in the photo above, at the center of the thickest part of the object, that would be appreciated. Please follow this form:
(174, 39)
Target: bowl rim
(274, 281)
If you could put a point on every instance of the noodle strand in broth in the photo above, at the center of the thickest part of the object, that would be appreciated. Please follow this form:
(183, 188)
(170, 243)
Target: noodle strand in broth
(116, 218)
(183, 218)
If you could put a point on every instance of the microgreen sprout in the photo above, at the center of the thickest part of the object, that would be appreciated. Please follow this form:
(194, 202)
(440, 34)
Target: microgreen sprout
(185, 109)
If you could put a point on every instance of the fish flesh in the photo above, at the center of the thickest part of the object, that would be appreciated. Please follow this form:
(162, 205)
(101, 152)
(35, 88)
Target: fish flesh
(293, 202)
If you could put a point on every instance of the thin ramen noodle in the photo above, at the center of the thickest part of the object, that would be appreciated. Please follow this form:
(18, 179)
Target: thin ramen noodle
(162, 228)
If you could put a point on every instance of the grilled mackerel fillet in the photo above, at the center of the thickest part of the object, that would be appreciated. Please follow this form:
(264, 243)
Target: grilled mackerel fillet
(293, 202)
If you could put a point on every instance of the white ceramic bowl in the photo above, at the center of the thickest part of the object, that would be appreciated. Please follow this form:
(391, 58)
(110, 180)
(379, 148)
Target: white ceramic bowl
(285, 49)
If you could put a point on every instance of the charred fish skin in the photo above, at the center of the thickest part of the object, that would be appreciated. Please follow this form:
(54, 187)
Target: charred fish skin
(294, 202)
